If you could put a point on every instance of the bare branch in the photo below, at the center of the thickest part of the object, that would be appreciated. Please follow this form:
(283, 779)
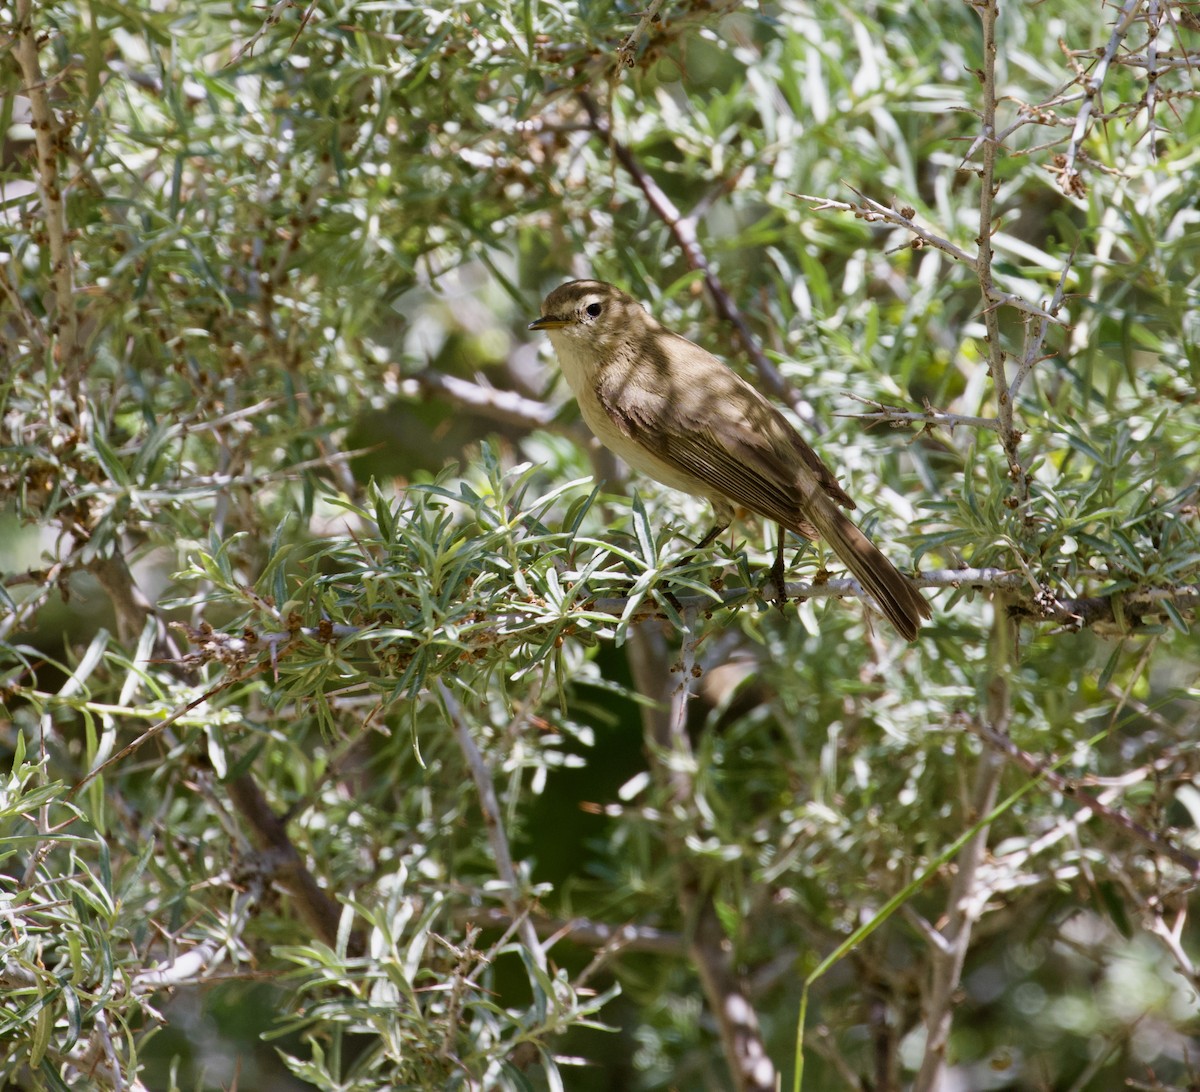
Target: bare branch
(1069, 177)
(873, 211)
(508, 407)
(988, 185)
(627, 50)
(673, 767)
(493, 820)
(998, 739)
(929, 418)
(582, 931)
(272, 19)
(320, 912)
(949, 954)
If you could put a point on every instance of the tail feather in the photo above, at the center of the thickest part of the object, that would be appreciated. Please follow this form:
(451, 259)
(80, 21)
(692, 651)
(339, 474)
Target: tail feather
(898, 598)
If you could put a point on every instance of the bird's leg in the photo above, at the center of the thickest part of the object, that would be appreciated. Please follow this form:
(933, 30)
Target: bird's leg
(711, 537)
(777, 573)
(706, 541)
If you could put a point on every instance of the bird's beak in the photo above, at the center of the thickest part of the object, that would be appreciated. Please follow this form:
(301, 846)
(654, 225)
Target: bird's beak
(548, 322)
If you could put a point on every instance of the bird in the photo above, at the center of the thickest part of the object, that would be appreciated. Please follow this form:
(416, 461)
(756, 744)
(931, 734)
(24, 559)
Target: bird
(673, 411)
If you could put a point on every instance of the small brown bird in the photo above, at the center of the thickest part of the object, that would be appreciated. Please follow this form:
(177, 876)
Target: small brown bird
(674, 411)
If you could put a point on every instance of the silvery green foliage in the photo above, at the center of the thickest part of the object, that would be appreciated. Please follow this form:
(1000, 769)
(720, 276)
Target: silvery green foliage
(308, 572)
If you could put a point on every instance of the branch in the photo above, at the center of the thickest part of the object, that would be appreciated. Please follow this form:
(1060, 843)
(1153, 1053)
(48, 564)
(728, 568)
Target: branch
(273, 18)
(507, 407)
(949, 953)
(1162, 62)
(1069, 178)
(585, 932)
(683, 228)
(1034, 345)
(873, 212)
(130, 605)
(493, 820)
(627, 50)
(1170, 936)
(988, 12)
(998, 739)
(22, 615)
(186, 969)
(249, 650)
(1120, 612)
(673, 766)
(49, 134)
(929, 418)
(321, 913)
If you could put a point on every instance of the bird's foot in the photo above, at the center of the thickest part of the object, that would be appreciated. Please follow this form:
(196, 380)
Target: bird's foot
(777, 584)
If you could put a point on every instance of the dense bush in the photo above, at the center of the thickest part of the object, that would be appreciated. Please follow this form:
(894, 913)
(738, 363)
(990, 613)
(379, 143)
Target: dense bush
(368, 728)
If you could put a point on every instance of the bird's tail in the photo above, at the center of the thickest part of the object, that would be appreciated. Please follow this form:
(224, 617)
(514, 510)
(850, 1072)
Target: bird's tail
(896, 595)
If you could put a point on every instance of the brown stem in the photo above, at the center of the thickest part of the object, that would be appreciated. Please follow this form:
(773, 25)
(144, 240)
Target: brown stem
(951, 943)
(999, 740)
(48, 135)
(269, 833)
(989, 150)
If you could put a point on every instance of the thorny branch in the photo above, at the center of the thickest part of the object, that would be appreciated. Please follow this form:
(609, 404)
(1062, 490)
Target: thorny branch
(874, 212)
(988, 11)
(1118, 612)
(996, 736)
(50, 135)
(1069, 177)
(987, 147)
(627, 50)
(493, 821)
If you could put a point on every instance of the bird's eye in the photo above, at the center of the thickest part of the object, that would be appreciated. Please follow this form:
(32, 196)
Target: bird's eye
(594, 309)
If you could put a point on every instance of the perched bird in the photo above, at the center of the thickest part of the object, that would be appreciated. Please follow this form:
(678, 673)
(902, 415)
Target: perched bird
(675, 412)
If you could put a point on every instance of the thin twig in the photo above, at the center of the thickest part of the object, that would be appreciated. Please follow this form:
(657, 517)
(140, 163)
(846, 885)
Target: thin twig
(585, 932)
(683, 228)
(1169, 935)
(1069, 178)
(493, 821)
(1001, 742)
(989, 149)
(272, 19)
(873, 211)
(673, 765)
(627, 50)
(1034, 348)
(930, 417)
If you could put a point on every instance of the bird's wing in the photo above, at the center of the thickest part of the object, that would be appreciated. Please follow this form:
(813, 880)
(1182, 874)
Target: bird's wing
(720, 430)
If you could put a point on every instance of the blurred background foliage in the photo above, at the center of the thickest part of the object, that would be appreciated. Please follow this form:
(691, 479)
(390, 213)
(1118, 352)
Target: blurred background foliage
(304, 564)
